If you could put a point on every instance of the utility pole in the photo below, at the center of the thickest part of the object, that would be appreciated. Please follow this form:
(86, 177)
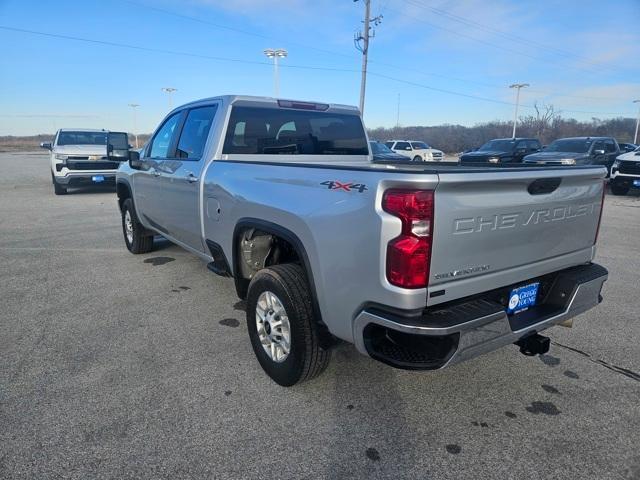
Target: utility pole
(276, 54)
(169, 91)
(517, 86)
(635, 137)
(135, 121)
(361, 42)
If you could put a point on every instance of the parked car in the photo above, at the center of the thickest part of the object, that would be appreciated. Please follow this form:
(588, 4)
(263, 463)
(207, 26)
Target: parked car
(382, 153)
(578, 151)
(79, 157)
(627, 147)
(625, 173)
(502, 150)
(324, 244)
(416, 151)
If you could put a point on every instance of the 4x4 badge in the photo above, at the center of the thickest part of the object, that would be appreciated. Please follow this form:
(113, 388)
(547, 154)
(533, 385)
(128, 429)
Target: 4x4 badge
(347, 187)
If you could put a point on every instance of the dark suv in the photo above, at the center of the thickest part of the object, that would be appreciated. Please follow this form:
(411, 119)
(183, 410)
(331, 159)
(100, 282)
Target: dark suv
(578, 151)
(502, 150)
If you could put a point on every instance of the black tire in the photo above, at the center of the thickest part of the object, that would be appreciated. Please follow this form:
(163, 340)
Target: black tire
(141, 241)
(616, 190)
(306, 358)
(417, 158)
(57, 188)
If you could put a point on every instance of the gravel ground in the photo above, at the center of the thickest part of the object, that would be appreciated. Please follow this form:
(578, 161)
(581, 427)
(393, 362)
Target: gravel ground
(121, 366)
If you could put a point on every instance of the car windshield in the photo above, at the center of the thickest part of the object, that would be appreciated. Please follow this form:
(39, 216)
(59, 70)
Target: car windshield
(498, 146)
(419, 146)
(570, 146)
(380, 148)
(82, 138)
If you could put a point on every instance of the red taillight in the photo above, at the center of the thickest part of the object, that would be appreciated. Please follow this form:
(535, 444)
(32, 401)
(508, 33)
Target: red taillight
(604, 188)
(409, 255)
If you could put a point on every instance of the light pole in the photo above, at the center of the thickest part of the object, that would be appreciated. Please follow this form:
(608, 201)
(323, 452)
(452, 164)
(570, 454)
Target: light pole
(517, 86)
(276, 54)
(635, 137)
(169, 91)
(135, 122)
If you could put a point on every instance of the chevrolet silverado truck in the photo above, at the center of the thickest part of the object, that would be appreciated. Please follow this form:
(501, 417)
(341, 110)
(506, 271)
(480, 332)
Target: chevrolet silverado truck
(625, 173)
(419, 265)
(79, 158)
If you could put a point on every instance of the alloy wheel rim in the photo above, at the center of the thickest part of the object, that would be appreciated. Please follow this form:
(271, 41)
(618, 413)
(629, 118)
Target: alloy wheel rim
(128, 226)
(274, 330)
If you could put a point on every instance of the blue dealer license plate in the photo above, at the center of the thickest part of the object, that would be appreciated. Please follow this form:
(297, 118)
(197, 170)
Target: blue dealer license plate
(522, 298)
(636, 183)
(97, 178)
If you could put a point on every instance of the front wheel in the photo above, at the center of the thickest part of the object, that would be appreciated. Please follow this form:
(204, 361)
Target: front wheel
(282, 327)
(57, 188)
(135, 236)
(617, 190)
(417, 158)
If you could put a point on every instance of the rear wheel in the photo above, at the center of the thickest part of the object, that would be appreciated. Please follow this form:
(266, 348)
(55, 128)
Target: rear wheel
(135, 236)
(617, 190)
(57, 188)
(282, 328)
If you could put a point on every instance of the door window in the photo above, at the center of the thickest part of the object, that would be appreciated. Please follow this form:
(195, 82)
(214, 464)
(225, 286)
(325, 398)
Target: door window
(162, 140)
(609, 146)
(402, 146)
(195, 132)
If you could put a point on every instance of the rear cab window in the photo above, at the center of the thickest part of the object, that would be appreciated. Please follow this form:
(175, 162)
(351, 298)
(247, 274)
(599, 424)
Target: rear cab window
(276, 131)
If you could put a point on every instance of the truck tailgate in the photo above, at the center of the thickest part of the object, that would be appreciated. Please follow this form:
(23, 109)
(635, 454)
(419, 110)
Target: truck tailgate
(493, 229)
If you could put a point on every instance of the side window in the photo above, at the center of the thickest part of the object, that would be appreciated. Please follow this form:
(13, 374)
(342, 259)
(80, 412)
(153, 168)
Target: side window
(162, 140)
(195, 132)
(534, 145)
(599, 145)
(389, 144)
(403, 146)
(521, 145)
(609, 146)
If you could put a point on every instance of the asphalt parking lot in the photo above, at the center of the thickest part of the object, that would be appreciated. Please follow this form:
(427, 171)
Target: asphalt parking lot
(122, 366)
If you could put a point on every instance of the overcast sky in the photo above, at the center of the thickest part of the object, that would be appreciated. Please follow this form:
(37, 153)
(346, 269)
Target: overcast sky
(447, 61)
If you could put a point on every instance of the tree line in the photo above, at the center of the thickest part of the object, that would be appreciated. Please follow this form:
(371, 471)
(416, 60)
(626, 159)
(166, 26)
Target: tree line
(546, 124)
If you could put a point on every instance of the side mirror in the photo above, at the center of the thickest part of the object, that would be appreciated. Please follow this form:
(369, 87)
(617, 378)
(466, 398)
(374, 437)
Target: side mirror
(598, 152)
(117, 146)
(46, 145)
(134, 160)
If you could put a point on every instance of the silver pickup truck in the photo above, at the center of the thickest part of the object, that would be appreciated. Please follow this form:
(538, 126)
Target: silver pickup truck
(420, 266)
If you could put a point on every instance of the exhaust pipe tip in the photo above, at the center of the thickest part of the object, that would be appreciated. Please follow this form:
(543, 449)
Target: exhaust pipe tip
(534, 344)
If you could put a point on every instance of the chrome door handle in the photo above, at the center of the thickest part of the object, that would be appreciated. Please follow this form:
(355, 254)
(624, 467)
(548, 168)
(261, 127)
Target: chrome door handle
(191, 178)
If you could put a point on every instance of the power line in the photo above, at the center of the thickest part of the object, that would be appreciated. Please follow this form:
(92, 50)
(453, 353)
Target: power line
(495, 45)
(495, 31)
(255, 62)
(335, 53)
(234, 29)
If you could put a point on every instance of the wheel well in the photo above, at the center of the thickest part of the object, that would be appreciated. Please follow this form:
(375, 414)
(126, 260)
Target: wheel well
(123, 192)
(273, 245)
(255, 249)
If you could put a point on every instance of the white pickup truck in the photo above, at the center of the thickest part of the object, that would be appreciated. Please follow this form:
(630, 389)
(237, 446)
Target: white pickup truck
(419, 265)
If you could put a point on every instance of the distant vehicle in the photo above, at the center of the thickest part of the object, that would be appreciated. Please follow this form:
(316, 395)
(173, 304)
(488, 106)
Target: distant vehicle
(416, 151)
(419, 266)
(503, 150)
(578, 151)
(625, 173)
(79, 157)
(627, 147)
(382, 153)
